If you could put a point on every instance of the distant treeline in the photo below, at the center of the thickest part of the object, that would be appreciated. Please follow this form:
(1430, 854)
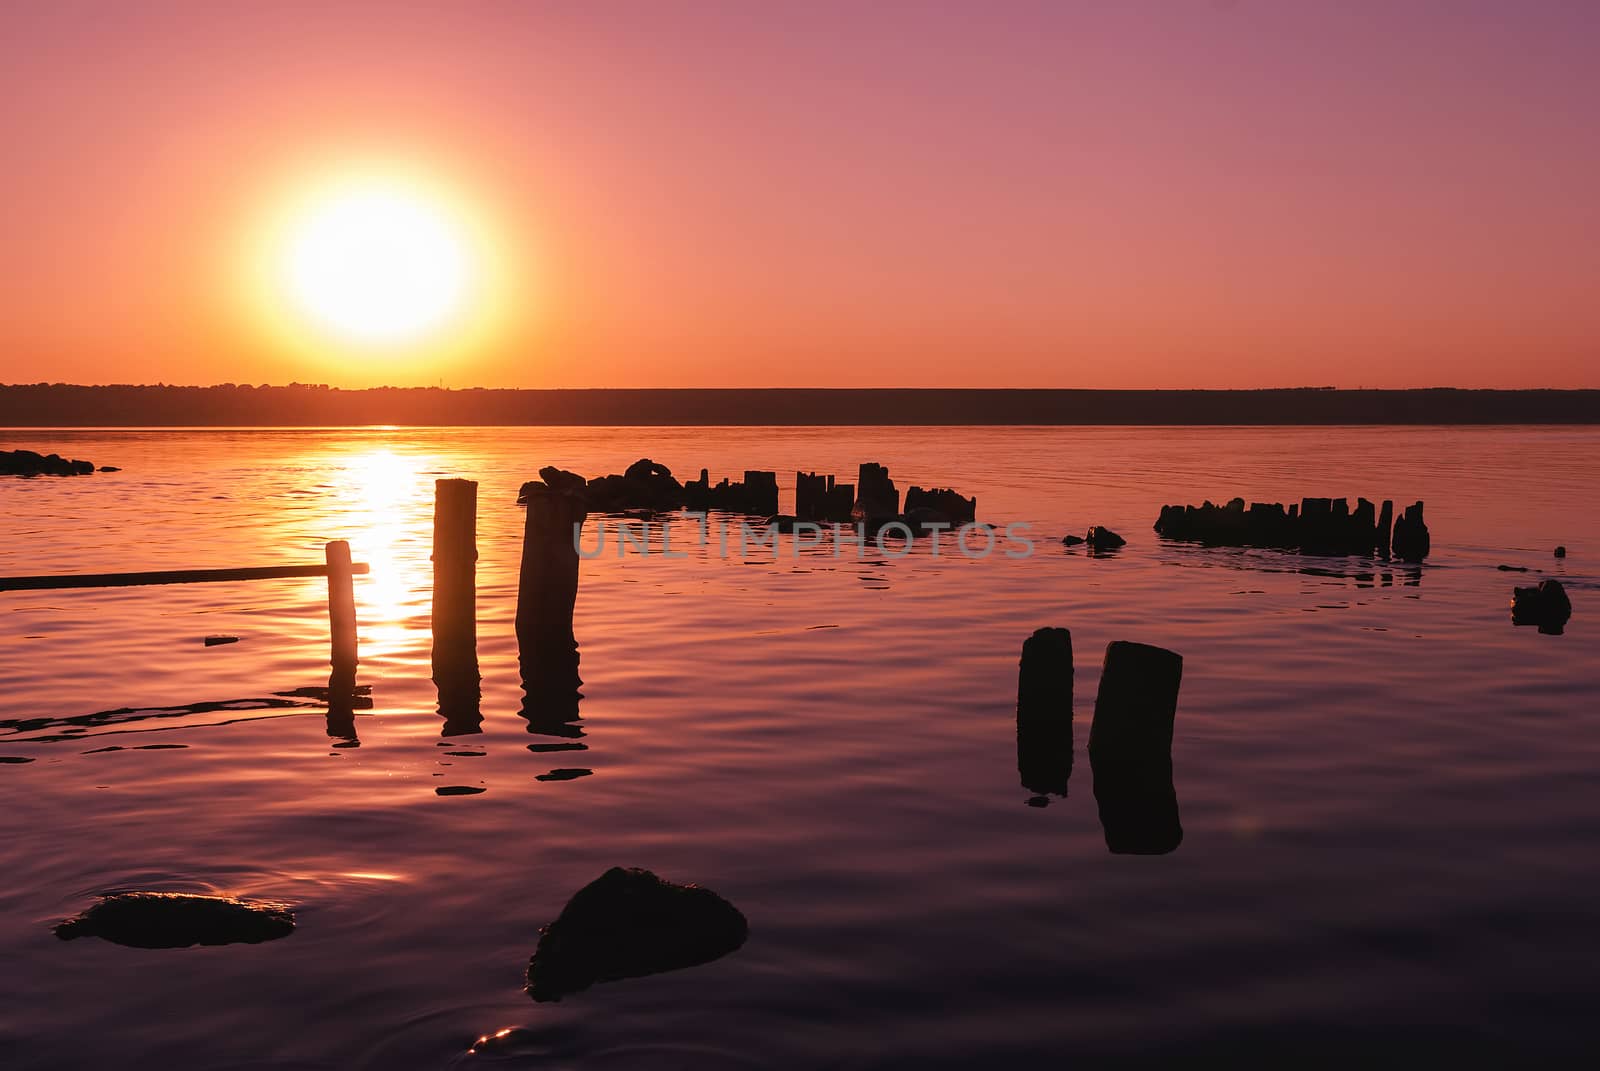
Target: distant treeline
(62, 405)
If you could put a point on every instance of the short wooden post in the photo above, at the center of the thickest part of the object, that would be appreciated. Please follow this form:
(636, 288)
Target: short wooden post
(341, 607)
(1044, 713)
(1130, 749)
(455, 566)
(547, 592)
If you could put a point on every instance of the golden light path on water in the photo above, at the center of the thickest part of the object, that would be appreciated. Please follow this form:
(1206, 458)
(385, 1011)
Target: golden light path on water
(386, 491)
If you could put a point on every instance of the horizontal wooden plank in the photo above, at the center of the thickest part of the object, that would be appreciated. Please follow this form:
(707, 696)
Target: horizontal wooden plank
(174, 576)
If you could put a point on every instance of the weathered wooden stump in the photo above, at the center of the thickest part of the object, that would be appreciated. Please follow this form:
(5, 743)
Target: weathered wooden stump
(1130, 749)
(1044, 712)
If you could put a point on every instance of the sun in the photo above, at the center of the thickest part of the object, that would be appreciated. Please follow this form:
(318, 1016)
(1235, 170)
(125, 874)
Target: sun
(378, 263)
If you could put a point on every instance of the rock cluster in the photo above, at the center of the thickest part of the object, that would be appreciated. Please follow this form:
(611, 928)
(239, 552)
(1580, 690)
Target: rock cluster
(1313, 526)
(647, 485)
(28, 463)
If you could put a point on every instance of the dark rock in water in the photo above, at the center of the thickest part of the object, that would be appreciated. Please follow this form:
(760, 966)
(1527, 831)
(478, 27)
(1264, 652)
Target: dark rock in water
(217, 641)
(14, 760)
(1546, 606)
(958, 509)
(1103, 539)
(1071, 540)
(28, 463)
(628, 923)
(109, 468)
(459, 790)
(1561, 552)
(562, 480)
(178, 920)
(1512, 568)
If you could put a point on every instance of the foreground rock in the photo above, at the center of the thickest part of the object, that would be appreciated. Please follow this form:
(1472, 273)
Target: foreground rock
(178, 920)
(1546, 606)
(1312, 526)
(628, 923)
(28, 463)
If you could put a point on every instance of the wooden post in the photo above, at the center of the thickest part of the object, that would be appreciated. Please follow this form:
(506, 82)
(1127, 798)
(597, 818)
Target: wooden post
(547, 591)
(341, 612)
(455, 565)
(1044, 714)
(1130, 749)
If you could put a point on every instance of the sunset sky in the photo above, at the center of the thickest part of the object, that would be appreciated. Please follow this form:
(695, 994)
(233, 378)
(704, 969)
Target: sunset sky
(1108, 194)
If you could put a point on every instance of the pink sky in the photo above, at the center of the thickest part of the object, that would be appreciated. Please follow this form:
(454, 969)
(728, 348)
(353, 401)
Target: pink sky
(1180, 194)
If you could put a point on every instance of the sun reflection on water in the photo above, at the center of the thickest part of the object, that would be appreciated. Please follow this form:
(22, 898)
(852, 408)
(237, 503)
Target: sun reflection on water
(388, 495)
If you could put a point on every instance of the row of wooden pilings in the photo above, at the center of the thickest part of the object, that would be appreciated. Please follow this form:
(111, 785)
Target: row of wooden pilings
(547, 592)
(1130, 740)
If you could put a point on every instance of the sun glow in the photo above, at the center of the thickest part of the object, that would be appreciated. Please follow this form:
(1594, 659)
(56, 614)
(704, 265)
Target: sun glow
(381, 261)
(378, 263)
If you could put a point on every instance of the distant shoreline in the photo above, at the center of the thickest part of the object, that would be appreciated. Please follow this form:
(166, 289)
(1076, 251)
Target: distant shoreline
(34, 406)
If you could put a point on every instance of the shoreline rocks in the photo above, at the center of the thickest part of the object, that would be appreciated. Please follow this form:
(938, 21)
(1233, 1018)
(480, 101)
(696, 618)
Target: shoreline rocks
(29, 463)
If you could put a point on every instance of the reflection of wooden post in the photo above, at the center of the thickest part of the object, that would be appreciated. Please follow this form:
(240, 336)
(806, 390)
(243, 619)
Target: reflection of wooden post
(341, 609)
(455, 566)
(547, 591)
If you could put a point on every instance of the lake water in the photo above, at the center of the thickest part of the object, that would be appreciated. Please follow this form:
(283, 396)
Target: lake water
(1390, 795)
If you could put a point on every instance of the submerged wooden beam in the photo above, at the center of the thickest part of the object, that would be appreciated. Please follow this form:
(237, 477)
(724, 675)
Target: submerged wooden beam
(172, 576)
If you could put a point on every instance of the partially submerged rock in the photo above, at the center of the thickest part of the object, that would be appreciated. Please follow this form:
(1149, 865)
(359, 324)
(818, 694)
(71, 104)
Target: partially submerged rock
(628, 923)
(178, 920)
(29, 463)
(1100, 538)
(1546, 606)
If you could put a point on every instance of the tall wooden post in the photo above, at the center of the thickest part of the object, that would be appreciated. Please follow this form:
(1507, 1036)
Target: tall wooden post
(455, 567)
(547, 591)
(341, 617)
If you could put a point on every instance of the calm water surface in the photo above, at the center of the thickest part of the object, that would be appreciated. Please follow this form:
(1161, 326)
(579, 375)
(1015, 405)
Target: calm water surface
(1389, 793)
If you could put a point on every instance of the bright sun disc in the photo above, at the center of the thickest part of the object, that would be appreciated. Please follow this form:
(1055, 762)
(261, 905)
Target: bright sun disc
(377, 264)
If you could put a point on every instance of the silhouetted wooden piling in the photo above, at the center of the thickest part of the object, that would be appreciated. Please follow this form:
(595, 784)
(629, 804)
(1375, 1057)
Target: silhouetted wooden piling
(1130, 748)
(1385, 527)
(455, 567)
(547, 591)
(1044, 712)
(341, 609)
